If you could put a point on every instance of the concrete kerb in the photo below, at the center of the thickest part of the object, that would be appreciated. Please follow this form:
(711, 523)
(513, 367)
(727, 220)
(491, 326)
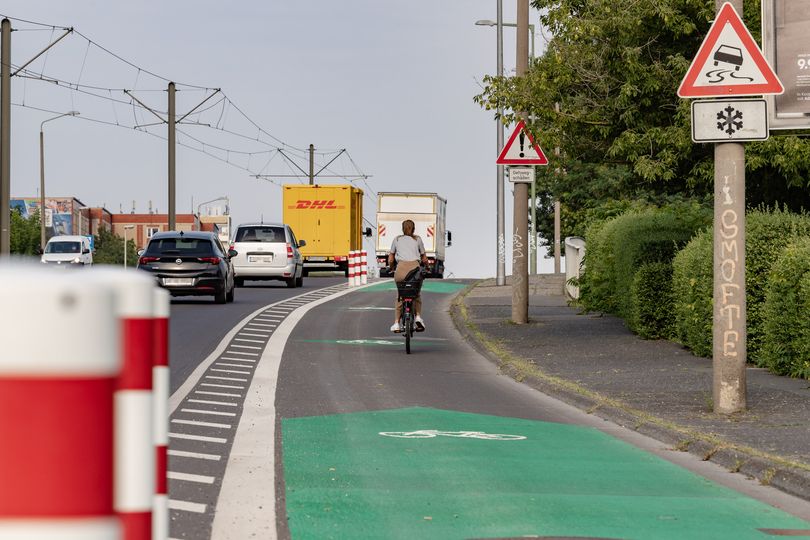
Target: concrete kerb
(768, 469)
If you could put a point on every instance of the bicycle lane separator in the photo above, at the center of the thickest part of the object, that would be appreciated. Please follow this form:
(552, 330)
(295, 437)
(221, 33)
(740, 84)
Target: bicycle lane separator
(246, 506)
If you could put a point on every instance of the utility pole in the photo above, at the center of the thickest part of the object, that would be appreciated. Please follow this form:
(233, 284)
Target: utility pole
(557, 251)
(172, 158)
(520, 267)
(728, 327)
(500, 275)
(533, 232)
(5, 138)
(311, 164)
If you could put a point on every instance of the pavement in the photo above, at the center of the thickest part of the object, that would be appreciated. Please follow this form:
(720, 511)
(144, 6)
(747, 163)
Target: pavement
(658, 388)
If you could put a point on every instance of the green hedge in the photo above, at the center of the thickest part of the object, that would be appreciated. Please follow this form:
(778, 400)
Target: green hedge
(785, 313)
(768, 232)
(619, 247)
(651, 298)
(692, 289)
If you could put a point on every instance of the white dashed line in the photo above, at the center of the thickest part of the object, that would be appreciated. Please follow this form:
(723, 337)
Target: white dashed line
(200, 438)
(224, 394)
(194, 455)
(201, 411)
(237, 359)
(262, 325)
(225, 378)
(186, 506)
(254, 335)
(200, 424)
(244, 353)
(250, 340)
(223, 386)
(233, 365)
(231, 371)
(208, 402)
(253, 347)
(200, 479)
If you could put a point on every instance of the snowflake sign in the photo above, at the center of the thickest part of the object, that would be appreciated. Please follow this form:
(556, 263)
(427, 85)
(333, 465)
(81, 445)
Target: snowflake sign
(724, 120)
(730, 120)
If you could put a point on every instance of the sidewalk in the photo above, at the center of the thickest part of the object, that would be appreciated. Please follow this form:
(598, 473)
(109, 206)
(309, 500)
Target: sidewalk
(655, 387)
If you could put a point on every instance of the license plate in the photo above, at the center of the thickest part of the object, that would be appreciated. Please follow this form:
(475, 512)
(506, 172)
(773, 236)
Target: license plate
(178, 281)
(316, 259)
(260, 259)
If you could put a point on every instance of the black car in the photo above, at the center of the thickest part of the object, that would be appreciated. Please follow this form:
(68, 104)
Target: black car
(190, 263)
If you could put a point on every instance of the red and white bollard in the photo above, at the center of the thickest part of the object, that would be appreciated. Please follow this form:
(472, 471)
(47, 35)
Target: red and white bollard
(363, 267)
(357, 268)
(58, 374)
(351, 268)
(160, 422)
(134, 446)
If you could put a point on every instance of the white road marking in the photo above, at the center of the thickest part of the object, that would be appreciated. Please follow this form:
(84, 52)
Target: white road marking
(225, 394)
(225, 378)
(200, 479)
(186, 506)
(231, 371)
(249, 340)
(245, 503)
(201, 411)
(232, 365)
(243, 353)
(194, 455)
(208, 402)
(254, 335)
(201, 424)
(238, 359)
(253, 347)
(262, 325)
(200, 438)
(223, 386)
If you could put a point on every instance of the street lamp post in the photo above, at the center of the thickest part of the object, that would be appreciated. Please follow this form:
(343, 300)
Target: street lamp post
(42, 239)
(500, 277)
(126, 228)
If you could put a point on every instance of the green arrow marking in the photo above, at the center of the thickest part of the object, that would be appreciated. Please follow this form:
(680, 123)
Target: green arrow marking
(423, 473)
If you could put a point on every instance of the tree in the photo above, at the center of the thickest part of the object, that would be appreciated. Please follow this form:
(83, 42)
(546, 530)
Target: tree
(110, 249)
(614, 67)
(24, 234)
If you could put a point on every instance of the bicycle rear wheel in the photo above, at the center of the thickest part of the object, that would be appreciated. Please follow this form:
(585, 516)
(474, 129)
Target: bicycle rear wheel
(406, 328)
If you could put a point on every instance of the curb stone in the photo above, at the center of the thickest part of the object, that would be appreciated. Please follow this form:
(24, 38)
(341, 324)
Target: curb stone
(706, 446)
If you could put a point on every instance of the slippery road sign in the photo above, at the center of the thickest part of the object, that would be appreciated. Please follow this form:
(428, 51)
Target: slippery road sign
(729, 63)
(521, 149)
(729, 120)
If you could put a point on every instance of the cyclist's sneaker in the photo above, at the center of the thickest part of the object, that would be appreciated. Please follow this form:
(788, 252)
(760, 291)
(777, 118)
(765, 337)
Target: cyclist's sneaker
(419, 324)
(396, 328)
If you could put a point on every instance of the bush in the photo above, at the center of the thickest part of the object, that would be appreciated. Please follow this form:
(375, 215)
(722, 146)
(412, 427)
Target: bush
(651, 301)
(618, 247)
(692, 290)
(767, 234)
(785, 322)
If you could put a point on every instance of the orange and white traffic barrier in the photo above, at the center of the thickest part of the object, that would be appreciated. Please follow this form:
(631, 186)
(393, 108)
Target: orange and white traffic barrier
(356, 268)
(363, 267)
(160, 416)
(58, 374)
(351, 268)
(134, 469)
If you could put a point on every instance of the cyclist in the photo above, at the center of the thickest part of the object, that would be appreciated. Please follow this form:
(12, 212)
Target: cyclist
(407, 251)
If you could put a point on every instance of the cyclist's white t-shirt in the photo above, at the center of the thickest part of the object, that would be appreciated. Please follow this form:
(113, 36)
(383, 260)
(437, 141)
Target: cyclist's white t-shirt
(406, 248)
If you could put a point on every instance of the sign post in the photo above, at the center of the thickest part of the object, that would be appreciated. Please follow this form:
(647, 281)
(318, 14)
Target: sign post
(729, 63)
(521, 153)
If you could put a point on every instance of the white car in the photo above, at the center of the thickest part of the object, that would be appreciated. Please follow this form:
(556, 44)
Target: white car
(267, 251)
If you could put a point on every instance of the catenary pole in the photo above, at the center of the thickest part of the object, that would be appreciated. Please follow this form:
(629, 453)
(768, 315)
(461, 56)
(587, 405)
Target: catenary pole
(729, 321)
(311, 164)
(172, 158)
(500, 275)
(42, 213)
(520, 267)
(5, 137)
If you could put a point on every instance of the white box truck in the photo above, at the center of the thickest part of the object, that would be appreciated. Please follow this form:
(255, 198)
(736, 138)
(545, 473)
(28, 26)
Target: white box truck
(428, 211)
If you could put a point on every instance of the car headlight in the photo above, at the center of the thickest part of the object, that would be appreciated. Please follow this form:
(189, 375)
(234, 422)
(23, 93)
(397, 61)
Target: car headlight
(77, 260)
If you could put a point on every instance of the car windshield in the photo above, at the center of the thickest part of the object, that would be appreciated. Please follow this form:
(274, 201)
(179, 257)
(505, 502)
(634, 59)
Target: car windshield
(63, 247)
(183, 247)
(260, 234)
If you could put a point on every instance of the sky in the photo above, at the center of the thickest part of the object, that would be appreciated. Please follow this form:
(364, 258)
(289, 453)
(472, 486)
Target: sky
(391, 82)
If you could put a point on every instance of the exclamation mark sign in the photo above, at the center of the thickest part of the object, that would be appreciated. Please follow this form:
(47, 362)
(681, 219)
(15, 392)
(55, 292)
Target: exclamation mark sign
(522, 140)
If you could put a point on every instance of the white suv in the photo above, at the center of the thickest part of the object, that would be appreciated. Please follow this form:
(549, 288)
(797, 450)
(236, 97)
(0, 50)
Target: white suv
(267, 251)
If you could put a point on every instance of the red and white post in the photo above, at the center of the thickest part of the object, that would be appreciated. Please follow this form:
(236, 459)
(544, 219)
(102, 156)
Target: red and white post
(58, 374)
(351, 268)
(134, 437)
(160, 409)
(363, 267)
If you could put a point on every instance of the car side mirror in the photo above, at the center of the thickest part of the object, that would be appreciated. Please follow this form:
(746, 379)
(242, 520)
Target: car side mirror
(85, 251)
(367, 233)
(302, 243)
(232, 253)
(140, 252)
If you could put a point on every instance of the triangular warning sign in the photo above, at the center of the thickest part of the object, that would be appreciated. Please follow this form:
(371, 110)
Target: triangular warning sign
(521, 149)
(729, 63)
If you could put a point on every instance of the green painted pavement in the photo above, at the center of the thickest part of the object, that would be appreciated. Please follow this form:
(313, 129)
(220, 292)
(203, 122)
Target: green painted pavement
(346, 480)
(443, 287)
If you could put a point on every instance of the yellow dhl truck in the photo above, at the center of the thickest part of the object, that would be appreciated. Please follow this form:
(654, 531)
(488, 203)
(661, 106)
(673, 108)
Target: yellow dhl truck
(330, 219)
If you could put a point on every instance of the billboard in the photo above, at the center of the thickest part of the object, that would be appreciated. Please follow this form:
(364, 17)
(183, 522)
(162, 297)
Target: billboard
(58, 213)
(785, 27)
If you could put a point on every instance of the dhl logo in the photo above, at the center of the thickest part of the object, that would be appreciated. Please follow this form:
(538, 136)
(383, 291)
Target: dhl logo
(303, 204)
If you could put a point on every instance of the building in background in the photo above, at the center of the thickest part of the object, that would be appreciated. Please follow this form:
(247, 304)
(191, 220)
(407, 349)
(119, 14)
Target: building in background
(216, 217)
(63, 215)
(145, 225)
(100, 219)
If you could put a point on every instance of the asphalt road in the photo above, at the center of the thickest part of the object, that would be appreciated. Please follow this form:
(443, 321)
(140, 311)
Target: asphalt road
(197, 324)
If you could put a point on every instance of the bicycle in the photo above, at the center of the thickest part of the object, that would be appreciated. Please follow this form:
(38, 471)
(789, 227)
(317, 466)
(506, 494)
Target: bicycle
(408, 290)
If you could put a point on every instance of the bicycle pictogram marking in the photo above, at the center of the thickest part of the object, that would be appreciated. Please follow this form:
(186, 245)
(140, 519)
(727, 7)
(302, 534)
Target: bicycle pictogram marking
(433, 433)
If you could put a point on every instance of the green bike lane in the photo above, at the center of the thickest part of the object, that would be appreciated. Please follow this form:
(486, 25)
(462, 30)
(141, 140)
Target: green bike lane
(437, 444)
